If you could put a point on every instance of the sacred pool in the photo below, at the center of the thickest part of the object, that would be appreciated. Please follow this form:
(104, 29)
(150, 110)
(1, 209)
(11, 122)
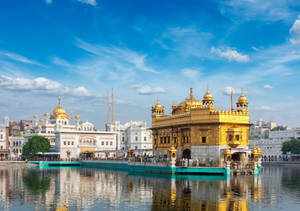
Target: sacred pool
(80, 188)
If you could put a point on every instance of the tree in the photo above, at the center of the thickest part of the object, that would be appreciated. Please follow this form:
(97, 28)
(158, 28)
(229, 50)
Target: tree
(292, 146)
(36, 144)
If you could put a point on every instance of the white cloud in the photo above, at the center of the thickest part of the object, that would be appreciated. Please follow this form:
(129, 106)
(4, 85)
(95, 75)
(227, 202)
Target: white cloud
(17, 57)
(49, 1)
(266, 108)
(147, 90)
(267, 86)
(230, 54)
(295, 32)
(274, 10)
(61, 62)
(227, 90)
(190, 73)
(118, 58)
(41, 86)
(90, 2)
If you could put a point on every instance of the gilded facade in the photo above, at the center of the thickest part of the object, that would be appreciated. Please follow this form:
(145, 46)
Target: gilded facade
(199, 131)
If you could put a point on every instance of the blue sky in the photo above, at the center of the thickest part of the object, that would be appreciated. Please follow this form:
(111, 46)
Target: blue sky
(80, 49)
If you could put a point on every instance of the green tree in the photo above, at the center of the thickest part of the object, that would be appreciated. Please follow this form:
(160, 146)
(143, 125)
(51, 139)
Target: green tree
(36, 144)
(292, 146)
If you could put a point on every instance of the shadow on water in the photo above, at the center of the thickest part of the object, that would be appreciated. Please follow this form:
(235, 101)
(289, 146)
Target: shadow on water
(36, 182)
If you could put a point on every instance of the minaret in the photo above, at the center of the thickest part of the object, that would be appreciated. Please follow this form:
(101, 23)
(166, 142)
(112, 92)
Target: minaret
(107, 112)
(47, 115)
(112, 106)
(35, 120)
(77, 121)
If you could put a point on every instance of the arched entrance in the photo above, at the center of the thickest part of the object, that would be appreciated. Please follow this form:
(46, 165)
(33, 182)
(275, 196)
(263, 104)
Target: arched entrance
(186, 154)
(235, 156)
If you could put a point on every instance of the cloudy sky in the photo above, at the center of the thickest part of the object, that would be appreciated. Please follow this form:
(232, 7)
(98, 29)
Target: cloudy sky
(80, 49)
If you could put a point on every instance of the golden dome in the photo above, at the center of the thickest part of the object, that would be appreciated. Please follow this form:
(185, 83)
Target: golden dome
(59, 112)
(227, 152)
(46, 114)
(35, 116)
(77, 116)
(254, 151)
(242, 101)
(187, 104)
(259, 151)
(158, 108)
(191, 101)
(207, 98)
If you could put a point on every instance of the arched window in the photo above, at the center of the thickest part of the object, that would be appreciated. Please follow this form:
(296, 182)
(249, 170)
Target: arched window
(237, 137)
(230, 137)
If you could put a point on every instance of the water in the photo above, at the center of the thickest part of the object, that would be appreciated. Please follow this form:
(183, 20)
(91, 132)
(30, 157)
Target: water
(31, 188)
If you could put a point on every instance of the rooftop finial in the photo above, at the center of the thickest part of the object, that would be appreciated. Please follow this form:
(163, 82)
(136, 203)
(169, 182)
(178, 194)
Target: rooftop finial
(59, 101)
(191, 93)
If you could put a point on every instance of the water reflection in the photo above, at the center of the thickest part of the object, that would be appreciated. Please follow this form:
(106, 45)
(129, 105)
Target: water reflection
(88, 189)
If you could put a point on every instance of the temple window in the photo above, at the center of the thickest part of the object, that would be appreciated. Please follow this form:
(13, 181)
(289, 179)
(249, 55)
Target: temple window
(203, 139)
(154, 140)
(168, 139)
(175, 140)
(65, 143)
(230, 137)
(237, 137)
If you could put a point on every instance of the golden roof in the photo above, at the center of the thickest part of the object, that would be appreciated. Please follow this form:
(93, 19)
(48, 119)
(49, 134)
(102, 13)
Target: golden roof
(59, 112)
(187, 104)
(190, 101)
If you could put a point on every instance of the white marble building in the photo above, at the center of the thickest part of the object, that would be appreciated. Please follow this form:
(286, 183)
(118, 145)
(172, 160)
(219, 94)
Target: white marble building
(68, 139)
(271, 147)
(133, 134)
(4, 143)
(16, 144)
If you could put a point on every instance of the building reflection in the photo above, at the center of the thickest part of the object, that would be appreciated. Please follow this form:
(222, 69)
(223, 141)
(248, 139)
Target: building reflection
(204, 194)
(83, 188)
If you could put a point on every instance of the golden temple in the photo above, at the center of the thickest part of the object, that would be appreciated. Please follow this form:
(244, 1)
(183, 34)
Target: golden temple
(199, 131)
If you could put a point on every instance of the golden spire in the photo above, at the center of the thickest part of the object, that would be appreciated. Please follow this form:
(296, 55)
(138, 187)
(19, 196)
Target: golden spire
(191, 93)
(59, 101)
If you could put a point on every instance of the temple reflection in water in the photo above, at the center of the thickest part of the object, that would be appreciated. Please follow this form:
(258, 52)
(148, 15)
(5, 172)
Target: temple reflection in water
(80, 188)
